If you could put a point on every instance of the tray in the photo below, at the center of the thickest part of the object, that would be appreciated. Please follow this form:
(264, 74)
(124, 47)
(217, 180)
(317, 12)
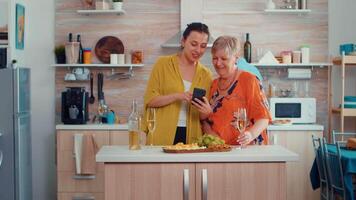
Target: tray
(195, 150)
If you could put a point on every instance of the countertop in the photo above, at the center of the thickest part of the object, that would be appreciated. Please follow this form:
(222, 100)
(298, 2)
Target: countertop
(123, 127)
(253, 153)
(292, 127)
(296, 127)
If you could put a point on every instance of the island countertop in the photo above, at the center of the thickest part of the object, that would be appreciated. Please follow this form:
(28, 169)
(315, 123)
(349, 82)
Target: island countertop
(253, 153)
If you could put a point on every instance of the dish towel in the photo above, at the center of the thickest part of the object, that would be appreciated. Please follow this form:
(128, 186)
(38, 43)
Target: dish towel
(89, 150)
(78, 139)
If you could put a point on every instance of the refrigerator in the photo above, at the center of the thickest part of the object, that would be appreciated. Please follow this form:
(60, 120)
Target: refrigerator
(15, 135)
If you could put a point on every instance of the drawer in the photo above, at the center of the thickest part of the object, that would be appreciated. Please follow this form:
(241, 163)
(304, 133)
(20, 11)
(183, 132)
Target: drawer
(65, 139)
(66, 162)
(67, 182)
(81, 196)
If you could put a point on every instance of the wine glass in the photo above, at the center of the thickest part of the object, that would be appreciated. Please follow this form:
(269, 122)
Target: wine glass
(241, 120)
(151, 123)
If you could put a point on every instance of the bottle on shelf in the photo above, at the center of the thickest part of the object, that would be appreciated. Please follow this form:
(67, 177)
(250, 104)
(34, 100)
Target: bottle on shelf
(134, 128)
(70, 37)
(247, 48)
(81, 51)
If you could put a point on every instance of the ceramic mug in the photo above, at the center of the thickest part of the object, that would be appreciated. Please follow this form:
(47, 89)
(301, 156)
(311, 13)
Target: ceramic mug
(70, 77)
(110, 116)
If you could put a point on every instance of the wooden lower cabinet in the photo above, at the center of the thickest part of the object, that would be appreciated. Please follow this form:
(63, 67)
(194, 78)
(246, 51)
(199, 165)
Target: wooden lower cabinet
(149, 181)
(223, 181)
(230, 181)
(80, 187)
(298, 181)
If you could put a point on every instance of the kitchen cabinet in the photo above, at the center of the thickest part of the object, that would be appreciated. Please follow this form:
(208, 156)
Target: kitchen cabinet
(80, 187)
(300, 142)
(156, 181)
(343, 62)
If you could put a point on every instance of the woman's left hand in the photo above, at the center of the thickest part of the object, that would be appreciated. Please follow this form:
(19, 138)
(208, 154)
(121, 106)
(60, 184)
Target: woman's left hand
(203, 107)
(245, 138)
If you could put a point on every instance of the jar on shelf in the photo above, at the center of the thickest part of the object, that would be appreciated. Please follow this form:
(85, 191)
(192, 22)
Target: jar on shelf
(305, 49)
(286, 57)
(296, 56)
(87, 56)
(136, 56)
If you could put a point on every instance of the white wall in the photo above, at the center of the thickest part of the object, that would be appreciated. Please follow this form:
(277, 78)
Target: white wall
(342, 30)
(3, 13)
(38, 55)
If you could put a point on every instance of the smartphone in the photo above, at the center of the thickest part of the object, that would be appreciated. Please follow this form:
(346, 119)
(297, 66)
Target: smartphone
(198, 93)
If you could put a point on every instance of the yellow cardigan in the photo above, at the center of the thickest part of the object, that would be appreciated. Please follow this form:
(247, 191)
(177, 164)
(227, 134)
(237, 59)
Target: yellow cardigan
(166, 79)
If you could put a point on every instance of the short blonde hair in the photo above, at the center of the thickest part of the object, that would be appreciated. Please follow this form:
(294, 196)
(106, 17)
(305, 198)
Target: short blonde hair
(229, 44)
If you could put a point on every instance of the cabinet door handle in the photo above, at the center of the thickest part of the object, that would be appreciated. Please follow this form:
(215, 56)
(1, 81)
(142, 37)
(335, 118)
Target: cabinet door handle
(204, 183)
(1, 157)
(84, 177)
(186, 184)
(83, 198)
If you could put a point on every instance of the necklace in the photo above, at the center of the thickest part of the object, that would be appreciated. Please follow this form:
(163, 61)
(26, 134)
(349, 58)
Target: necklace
(230, 80)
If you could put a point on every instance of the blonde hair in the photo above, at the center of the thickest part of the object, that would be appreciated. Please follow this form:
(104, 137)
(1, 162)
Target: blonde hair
(229, 44)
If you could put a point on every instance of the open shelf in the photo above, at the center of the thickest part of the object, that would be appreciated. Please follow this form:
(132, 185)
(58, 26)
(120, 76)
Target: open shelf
(100, 65)
(347, 111)
(288, 11)
(292, 65)
(95, 12)
(349, 60)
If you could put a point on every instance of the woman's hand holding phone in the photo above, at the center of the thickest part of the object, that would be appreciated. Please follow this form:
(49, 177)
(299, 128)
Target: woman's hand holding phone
(203, 107)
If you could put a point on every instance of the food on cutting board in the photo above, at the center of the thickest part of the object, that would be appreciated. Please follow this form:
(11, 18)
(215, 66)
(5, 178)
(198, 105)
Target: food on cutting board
(208, 140)
(181, 146)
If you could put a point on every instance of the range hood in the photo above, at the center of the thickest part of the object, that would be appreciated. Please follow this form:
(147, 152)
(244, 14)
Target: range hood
(188, 14)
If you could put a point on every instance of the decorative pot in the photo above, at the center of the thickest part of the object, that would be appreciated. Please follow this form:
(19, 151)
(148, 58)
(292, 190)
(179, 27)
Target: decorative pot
(61, 58)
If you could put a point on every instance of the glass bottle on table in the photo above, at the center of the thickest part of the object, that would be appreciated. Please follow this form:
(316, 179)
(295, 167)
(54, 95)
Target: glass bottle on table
(134, 128)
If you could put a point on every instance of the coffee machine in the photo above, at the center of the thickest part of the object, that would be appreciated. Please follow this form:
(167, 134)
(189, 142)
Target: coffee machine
(75, 106)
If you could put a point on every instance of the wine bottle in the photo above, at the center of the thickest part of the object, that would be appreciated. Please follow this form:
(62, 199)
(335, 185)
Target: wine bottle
(81, 51)
(247, 48)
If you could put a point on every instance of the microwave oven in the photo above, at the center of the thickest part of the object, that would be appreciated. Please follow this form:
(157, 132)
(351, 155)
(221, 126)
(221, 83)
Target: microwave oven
(297, 110)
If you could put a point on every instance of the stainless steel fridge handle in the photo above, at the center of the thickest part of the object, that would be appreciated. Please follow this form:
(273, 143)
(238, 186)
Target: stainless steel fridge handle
(204, 184)
(1, 157)
(83, 177)
(186, 184)
(0, 134)
(83, 198)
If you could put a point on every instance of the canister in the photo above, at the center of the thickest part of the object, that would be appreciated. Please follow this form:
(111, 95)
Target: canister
(286, 57)
(296, 56)
(305, 49)
(87, 56)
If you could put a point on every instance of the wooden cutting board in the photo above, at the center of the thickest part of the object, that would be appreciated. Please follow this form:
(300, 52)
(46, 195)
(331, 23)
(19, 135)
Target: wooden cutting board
(106, 46)
(196, 150)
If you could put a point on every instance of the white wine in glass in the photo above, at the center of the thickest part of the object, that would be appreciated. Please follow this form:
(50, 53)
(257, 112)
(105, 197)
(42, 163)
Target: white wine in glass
(241, 120)
(151, 123)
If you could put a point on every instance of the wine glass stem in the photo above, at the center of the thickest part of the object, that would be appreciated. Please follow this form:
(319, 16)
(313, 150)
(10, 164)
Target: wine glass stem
(151, 141)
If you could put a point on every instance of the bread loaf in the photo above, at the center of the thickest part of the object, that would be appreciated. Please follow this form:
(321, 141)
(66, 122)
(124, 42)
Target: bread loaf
(351, 143)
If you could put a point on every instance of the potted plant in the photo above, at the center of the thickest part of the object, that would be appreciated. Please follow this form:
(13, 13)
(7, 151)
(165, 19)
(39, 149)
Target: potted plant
(59, 51)
(117, 4)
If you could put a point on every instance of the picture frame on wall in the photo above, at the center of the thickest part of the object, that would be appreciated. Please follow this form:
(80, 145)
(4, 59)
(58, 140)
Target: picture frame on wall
(20, 26)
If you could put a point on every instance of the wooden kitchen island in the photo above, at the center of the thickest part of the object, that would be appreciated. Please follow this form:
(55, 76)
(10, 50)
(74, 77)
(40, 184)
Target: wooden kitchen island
(255, 172)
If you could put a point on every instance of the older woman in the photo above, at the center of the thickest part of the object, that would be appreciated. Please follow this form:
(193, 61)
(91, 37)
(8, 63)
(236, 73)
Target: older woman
(232, 90)
(170, 86)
